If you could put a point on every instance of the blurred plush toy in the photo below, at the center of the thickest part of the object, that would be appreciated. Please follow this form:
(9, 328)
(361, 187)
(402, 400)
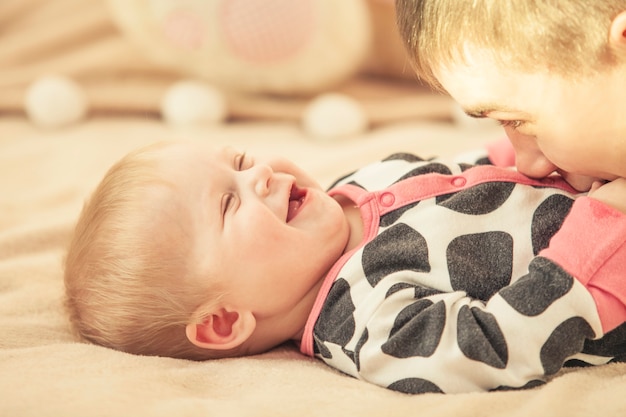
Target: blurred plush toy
(201, 61)
(270, 46)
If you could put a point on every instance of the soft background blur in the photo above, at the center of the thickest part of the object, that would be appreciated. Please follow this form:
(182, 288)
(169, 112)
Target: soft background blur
(269, 59)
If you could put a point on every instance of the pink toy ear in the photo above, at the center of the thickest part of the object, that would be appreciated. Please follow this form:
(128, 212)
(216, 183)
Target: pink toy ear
(269, 30)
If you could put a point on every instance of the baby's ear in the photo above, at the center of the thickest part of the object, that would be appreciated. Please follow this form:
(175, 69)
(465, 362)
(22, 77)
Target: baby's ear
(617, 33)
(224, 329)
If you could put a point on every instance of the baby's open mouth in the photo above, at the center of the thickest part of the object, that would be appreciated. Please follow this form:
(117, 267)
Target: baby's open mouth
(296, 198)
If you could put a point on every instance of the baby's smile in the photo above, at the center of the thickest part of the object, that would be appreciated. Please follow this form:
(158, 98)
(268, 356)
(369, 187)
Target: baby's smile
(296, 199)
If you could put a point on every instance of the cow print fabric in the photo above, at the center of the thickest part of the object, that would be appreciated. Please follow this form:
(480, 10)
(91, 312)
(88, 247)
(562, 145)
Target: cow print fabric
(449, 295)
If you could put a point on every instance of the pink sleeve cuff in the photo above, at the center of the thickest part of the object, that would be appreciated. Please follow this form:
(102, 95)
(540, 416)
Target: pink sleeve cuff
(591, 246)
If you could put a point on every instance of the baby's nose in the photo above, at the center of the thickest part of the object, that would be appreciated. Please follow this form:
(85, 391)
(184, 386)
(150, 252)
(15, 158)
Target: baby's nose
(260, 177)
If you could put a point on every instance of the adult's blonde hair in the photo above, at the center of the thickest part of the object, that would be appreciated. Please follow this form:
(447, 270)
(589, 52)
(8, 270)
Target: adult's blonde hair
(129, 276)
(567, 37)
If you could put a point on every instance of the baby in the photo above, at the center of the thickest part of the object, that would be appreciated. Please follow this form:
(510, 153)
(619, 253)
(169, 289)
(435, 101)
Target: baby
(416, 275)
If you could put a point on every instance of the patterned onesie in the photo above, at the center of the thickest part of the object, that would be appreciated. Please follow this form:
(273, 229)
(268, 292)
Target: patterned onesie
(454, 287)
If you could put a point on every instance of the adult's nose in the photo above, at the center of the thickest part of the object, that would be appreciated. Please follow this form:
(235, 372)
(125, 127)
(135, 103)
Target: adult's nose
(529, 159)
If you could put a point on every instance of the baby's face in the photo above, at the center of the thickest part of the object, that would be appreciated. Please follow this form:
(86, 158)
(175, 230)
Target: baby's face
(574, 126)
(264, 228)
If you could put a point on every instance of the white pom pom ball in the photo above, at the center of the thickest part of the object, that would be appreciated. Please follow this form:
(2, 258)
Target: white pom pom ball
(55, 101)
(334, 115)
(192, 102)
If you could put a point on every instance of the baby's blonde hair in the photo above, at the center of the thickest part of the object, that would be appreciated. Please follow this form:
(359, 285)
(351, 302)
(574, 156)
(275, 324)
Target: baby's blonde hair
(129, 276)
(567, 37)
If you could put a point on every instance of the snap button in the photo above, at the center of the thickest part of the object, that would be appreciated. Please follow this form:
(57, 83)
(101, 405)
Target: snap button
(387, 199)
(459, 181)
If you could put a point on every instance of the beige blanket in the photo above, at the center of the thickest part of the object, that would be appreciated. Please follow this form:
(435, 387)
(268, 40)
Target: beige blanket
(45, 177)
